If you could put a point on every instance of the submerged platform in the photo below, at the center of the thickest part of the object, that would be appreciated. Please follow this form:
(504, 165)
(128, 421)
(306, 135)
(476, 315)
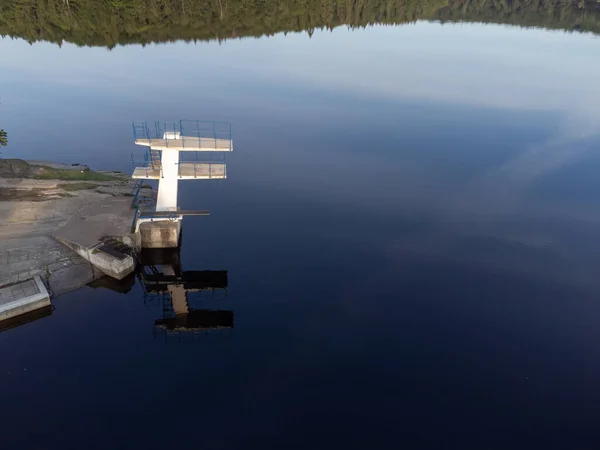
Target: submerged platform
(188, 143)
(23, 297)
(186, 171)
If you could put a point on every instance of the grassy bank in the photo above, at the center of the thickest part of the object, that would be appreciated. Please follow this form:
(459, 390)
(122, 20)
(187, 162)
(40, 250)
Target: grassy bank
(77, 186)
(17, 168)
(50, 173)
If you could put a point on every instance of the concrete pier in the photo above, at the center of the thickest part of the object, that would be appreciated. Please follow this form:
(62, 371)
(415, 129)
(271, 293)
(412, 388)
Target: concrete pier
(36, 212)
(163, 234)
(24, 297)
(86, 232)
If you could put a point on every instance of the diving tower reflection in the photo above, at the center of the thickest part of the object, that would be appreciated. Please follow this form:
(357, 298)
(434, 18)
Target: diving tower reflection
(165, 283)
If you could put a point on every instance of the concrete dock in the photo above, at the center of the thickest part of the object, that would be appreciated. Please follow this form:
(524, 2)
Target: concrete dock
(23, 297)
(84, 212)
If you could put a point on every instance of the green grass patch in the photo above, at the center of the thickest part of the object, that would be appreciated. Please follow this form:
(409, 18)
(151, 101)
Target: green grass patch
(50, 173)
(77, 186)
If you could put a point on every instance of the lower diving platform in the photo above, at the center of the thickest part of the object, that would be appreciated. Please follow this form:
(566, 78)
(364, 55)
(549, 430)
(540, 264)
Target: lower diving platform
(185, 171)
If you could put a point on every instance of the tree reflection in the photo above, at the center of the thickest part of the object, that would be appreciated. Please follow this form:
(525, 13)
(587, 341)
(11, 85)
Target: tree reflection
(110, 23)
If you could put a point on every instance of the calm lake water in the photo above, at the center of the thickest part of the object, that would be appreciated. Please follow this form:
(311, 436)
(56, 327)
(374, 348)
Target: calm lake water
(410, 228)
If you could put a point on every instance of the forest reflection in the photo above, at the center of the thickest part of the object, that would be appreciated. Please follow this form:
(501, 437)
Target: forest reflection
(110, 23)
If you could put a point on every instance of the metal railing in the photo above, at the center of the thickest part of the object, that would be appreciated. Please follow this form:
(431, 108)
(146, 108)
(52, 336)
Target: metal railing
(215, 170)
(139, 198)
(141, 131)
(136, 192)
(145, 164)
(135, 218)
(188, 133)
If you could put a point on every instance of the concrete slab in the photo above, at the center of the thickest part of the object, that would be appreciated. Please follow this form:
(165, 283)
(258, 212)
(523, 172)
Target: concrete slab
(93, 222)
(27, 247)
(23, 297)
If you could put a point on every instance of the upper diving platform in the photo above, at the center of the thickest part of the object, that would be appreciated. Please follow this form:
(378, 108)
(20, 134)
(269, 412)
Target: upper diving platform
(188, 143)
(185, 135)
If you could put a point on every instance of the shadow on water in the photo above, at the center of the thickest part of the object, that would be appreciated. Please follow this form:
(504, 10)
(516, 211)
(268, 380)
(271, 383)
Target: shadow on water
(123, 286)
(26, 318)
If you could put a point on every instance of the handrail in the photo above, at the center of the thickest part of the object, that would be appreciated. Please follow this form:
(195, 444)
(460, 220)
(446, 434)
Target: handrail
(214, 168)
(135, 217)
(147, 167)
(134, 202)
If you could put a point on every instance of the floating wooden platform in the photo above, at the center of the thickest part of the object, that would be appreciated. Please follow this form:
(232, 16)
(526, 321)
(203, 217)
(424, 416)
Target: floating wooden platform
(188, 143)
(186, 171)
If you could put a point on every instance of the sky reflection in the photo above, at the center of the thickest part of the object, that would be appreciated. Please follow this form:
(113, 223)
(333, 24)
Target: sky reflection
(467, 125)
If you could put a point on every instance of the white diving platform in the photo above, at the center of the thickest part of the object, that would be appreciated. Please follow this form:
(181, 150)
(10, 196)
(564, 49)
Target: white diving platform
(162, 163)
(185, 171)
(188, 143)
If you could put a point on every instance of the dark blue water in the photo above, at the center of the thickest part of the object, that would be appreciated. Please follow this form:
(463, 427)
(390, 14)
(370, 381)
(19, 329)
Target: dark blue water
(411, 264)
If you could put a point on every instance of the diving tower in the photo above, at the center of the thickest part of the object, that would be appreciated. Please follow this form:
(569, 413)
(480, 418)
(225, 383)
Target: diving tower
(175, 151)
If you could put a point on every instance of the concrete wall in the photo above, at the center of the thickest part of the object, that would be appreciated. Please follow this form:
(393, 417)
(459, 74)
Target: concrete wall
(162, 234)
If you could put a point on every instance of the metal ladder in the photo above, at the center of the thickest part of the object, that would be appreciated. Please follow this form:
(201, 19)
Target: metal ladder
(155, 158)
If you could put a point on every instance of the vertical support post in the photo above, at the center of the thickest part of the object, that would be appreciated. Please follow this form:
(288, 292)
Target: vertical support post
(135, 217)
(167, 186)
(164, 131)
(181, 133)
(198, 132)
(215, 134)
